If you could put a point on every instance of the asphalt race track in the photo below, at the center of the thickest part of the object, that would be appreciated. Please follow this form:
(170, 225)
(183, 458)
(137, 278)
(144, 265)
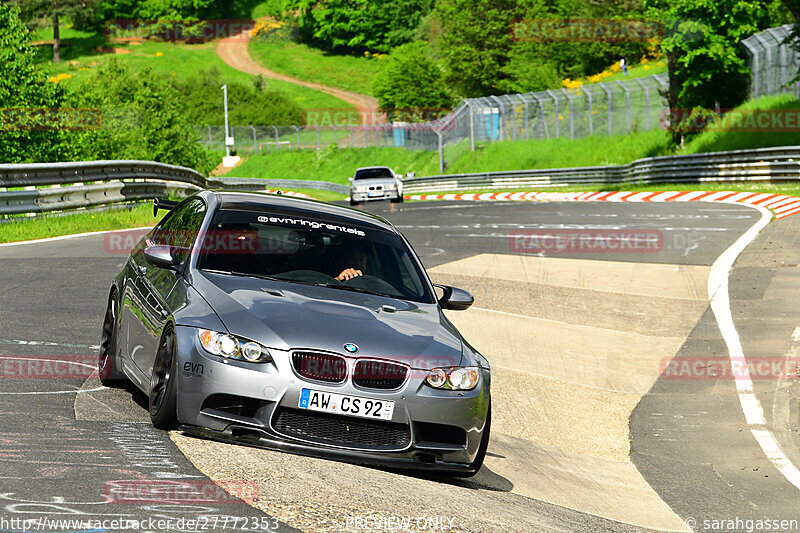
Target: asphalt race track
(591, 433)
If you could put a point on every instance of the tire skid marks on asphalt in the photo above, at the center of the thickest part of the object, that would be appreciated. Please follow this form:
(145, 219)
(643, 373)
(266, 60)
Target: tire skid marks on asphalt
(782, 205)
(720, 305)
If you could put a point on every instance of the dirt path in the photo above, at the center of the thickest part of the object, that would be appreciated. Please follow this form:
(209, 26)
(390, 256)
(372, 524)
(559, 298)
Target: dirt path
(233, 51)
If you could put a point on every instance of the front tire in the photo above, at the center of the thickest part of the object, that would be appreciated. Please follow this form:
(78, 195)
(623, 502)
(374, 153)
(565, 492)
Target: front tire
(398, 200)
(476, 465)
(106, 362)
(353, 202)
(162, 400)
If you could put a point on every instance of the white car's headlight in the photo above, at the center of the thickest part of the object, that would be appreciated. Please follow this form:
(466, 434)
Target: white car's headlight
(231, 347)
(455, 378)
(360, 188)
(391, 186)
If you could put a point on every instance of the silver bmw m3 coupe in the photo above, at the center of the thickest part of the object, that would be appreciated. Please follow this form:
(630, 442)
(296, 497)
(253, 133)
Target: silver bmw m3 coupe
(300, 326)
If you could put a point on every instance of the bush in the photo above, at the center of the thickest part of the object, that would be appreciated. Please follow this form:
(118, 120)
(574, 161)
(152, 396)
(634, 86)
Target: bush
(247, 104)
(144, 117)
(410, 82)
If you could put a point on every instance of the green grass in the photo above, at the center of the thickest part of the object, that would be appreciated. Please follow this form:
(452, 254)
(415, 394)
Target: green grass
(180, 60)
(720, 138)
(561, 152)
(311, 64)
(334, 165)
(41, 227)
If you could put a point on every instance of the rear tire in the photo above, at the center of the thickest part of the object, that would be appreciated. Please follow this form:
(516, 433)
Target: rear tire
(162, 400)
(106, 361)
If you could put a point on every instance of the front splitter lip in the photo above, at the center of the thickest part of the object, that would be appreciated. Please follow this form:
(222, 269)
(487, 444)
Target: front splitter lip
(348, 456)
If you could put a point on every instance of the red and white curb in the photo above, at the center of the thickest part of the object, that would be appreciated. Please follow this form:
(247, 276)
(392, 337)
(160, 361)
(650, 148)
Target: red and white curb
(782, 205)
(288, 193)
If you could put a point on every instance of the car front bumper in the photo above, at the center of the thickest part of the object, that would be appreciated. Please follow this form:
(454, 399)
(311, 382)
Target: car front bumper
(380, 195)
(438, 430)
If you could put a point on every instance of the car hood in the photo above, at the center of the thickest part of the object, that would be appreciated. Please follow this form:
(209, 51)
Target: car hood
(374, 181)
(288, 316)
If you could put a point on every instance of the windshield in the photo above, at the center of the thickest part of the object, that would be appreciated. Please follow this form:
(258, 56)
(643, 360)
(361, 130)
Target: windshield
(373, 173)
(300, 249)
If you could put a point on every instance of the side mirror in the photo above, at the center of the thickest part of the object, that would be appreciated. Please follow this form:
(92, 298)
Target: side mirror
(350, 179)
(161, 256)
(454, 298)
(398, 176)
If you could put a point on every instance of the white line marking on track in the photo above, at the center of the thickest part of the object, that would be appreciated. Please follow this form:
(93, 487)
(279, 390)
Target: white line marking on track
(720, 305)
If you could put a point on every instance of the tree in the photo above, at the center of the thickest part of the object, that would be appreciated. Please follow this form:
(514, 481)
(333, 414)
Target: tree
(356, 26)
(410, 82)
(474, 43)
(701, 43)
(37, 13)
(25, 98)
(144, 117)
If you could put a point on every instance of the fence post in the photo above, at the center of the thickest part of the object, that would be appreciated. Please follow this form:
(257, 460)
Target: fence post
(277, 142)
(297, 132)
(471, 126)
(555, 100)
(513, 116)
(334, 133)
(255, 141)
(209, 137)
(352, 142)
(627, 104)
(591, 121)
(610, 116)
(571, 113)
(441, 150)
(316, 128)
(646, 104)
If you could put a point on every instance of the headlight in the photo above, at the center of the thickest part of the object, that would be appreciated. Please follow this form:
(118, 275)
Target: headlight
(360, 188)
(391, 186)
(455, 378)
(231, 347)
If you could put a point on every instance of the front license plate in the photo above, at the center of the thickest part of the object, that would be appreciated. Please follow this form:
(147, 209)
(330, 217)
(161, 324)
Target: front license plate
(340, 404)
(373, 194)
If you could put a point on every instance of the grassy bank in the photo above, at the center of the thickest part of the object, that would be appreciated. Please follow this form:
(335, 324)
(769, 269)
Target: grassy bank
(84, 51)
(311, 64)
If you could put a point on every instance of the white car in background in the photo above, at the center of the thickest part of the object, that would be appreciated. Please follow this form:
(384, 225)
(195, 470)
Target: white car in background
(375, 183)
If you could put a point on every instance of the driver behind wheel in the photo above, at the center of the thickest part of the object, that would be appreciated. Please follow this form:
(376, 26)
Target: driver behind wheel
(353, 260)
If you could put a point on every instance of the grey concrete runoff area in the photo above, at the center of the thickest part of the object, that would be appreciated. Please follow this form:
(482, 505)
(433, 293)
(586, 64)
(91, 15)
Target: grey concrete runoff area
(591, 430)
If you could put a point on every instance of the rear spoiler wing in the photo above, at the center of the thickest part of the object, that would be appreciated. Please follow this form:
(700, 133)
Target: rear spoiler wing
(159, 204)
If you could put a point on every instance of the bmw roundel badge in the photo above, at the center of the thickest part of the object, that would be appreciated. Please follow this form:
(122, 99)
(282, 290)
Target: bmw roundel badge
(350, 347)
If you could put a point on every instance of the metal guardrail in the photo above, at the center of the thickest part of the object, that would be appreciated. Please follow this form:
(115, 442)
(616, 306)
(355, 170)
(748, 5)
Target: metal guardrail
(765, 164)
(63, 186)
(96, 183)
